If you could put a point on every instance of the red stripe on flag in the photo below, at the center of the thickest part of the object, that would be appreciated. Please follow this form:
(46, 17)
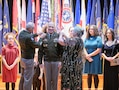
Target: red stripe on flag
(15, 16)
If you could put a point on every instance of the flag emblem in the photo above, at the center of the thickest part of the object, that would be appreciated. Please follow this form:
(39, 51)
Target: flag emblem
(66, 15)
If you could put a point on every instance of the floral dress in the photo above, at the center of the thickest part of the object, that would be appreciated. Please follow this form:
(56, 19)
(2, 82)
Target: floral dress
(72, 65)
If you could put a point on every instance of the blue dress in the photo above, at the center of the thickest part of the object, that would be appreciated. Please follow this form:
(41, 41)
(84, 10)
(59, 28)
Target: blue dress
(91, 45)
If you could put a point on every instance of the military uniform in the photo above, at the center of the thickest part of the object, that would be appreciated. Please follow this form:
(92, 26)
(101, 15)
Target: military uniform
(28, 45)
(51, 51)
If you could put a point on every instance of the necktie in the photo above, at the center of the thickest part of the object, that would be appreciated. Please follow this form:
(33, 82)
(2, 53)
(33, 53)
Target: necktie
(50, 36)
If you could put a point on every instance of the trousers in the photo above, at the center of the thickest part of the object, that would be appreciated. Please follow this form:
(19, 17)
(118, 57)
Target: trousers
(51, 72)
(27, 66)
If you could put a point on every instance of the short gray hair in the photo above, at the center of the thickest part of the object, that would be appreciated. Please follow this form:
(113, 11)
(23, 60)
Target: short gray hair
(29, 25)
(78, 30)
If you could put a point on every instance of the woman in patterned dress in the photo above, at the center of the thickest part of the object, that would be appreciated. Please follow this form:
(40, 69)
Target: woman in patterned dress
(72, 65)
(10, 58)
(110, 51)
(93, 45)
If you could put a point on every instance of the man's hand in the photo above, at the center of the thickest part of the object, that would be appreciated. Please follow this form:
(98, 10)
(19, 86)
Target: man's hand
(43, 35)
(39, 33)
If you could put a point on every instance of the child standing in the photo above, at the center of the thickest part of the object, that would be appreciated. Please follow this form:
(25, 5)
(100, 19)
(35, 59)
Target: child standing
(10, 58)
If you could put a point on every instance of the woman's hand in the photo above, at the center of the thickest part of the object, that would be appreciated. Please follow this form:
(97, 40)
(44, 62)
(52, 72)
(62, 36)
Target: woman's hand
(11, 66)
(8, 67)
(89, 58)
(109, 59)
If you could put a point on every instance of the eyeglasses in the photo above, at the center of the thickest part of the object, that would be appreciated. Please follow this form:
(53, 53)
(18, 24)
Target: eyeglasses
(10, 38)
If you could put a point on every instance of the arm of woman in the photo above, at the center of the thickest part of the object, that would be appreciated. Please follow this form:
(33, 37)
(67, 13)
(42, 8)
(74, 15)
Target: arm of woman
(104, 56)
(99, 47)
(97, 51)
(117, 55)
(87, 56)
(3, 58)
(5, 63)
(18, 52)
(107, 58)
(15, 62)
(117, 47)
(61, 39)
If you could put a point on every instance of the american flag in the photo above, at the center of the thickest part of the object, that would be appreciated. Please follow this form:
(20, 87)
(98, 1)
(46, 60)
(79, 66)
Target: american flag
(45, 13)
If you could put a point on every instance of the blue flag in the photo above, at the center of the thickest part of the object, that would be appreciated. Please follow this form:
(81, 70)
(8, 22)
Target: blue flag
(89, 7)
(0, 24)
(116, 28)
(98, 15)
(77, 12)
(29, 12)
(110, 19)
(117, 8)
(93, 14)
(105, 16)
(105, 12)
(6, 20)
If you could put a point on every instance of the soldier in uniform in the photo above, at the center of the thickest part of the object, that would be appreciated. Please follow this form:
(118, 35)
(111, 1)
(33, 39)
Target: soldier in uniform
(51, 51)
(28, 45)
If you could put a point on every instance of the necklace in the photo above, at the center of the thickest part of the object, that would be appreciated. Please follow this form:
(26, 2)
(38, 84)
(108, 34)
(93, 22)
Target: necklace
(109, 43)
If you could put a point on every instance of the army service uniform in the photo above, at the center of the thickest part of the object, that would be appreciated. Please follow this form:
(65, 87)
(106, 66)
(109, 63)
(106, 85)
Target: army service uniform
(51, 51)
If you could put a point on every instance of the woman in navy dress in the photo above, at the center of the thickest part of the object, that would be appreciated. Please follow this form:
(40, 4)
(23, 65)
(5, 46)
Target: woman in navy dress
(110, 51)
(93, 45)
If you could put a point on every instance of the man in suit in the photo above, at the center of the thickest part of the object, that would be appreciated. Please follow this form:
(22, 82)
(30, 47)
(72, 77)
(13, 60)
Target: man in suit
(51, 51)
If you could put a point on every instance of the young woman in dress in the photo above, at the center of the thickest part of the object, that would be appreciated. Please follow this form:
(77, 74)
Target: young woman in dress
(110, 51)
(10, 58)
(93, 45)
